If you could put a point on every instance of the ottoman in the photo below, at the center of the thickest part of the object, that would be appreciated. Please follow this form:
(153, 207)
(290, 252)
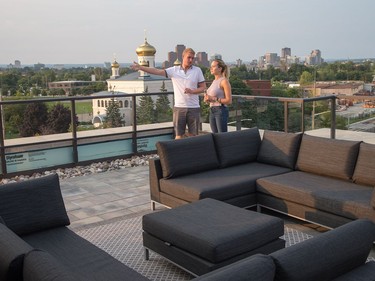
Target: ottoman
(207, 234)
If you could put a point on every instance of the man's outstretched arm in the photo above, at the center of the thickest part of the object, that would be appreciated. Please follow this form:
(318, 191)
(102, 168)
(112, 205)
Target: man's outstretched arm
(156, 71)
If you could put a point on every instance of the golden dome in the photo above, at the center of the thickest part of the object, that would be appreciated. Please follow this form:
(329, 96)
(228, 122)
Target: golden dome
(145, 49)
(177, 62)
(115, 64)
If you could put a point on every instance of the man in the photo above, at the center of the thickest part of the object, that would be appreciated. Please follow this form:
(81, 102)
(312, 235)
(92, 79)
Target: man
(188, 82)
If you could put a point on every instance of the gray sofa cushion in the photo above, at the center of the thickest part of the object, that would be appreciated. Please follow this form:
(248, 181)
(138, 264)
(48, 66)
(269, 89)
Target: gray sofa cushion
(187, 156)
(255, 268)
(328, 157)
(11, 247)
(41, 266)
(365, 166)
(279, 148)
(220, 184)
(224, 232)
(83, 259)
(33, 205)
(364, 272)
(237, 147)
(328, 255)
(331, 195)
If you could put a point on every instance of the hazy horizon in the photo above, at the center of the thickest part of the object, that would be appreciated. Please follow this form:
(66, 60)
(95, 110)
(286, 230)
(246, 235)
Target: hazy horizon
(87, 32)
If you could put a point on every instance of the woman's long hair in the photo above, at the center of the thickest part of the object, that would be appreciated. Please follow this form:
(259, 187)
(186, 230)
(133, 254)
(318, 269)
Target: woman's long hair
(224, 67)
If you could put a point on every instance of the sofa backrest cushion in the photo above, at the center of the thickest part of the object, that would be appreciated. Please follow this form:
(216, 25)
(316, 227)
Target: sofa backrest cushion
(328, 157)
(33, 205)
(279, 148)
(365, 166)
(187, 156)
(327, 255)
(11, 248)
(41, 266)
(238, 147)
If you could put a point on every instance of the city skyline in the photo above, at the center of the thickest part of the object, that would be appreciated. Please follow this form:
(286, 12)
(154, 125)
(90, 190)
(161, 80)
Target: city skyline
(85, 32)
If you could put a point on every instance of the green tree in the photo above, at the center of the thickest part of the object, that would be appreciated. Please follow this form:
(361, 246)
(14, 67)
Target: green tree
(306, 78)
(33, 119)
(163, 110)
(145, 109)
(113, 116)
(59, 119)
(239, 87)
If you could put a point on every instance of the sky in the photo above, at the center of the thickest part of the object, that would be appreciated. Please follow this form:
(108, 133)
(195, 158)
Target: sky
(92, 31)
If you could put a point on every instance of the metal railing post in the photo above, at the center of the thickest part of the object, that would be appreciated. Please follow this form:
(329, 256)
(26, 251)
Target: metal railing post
(134, 133)
(285, 116)
(74, 131)
(333, 117)
(2, 141)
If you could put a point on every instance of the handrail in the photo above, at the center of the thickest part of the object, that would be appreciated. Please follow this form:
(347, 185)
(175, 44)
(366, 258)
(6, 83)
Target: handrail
(137, 131)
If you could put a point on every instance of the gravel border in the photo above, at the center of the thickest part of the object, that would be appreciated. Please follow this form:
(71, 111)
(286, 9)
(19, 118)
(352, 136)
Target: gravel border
(94, 168)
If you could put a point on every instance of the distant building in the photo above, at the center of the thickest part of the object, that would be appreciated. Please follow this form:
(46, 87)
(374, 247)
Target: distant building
(39, 66)
(136, 82)
(58, 66)
(17, 64)
(172, 56)
(259, 87)
(272, 59)
(285, 52)
(201, 58)
(315, 58)
(215, 56)
(179, 50)
(269, 59)
(334, 88)
(69, 86)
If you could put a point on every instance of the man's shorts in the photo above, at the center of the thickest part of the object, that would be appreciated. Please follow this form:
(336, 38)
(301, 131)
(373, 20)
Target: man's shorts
(183, 116)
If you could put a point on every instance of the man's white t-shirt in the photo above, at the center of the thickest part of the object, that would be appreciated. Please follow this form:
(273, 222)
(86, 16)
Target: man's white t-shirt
(181, 81)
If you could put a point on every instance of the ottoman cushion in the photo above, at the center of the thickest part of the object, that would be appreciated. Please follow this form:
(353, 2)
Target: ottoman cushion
(212, 229)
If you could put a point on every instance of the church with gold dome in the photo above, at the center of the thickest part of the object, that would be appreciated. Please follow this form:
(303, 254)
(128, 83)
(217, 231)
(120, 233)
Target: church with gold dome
(136, 82)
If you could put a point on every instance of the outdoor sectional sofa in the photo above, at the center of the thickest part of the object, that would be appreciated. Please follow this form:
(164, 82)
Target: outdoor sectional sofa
(37, 245)
(325, 181)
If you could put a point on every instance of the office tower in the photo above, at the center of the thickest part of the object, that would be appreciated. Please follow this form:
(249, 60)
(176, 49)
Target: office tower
(179, 49)
(285, 52)
(202, 59)
(17, 64)
(172, 57)
(315, 58)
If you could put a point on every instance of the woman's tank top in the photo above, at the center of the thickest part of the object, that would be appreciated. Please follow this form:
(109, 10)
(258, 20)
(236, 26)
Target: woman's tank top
(215, 91)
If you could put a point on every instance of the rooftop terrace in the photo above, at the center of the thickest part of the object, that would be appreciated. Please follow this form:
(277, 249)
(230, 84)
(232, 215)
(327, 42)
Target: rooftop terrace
(109, 197)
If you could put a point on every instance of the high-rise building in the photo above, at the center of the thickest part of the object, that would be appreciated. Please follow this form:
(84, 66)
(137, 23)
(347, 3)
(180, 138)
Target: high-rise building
(215, 56)
(201, 58)
(315, 58)
(17, 64)
(286, 52)
(179, 49)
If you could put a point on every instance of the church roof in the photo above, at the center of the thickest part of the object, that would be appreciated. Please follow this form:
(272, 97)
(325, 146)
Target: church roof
(134, 76)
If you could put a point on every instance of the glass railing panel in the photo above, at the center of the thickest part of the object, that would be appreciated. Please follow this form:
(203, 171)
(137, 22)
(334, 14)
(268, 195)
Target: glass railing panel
(317, 114)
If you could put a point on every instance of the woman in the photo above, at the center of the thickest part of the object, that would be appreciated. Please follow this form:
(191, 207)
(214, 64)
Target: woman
(219, 95)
